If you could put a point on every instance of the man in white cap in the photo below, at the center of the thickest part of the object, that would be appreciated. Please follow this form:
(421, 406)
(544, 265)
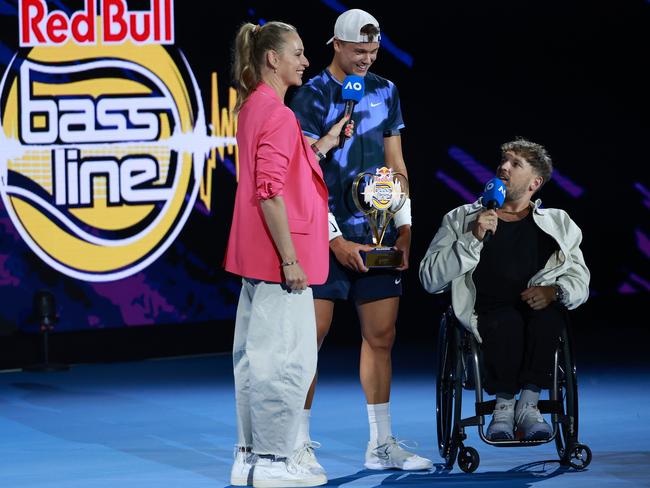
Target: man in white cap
(376, 142)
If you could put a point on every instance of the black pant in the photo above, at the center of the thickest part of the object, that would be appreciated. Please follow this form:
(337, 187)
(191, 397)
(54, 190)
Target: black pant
(519, 345)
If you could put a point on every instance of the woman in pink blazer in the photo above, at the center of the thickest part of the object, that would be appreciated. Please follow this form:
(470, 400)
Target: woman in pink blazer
(279, 245)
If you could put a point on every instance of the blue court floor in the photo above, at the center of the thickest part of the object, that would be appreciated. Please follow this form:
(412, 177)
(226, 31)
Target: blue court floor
(170, 423)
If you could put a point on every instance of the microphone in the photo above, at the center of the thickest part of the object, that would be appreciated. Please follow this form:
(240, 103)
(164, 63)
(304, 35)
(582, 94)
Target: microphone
(494, 195)
(353, 88)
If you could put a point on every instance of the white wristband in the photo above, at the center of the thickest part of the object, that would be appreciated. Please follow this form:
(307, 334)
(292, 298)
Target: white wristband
(333, 227)
(403, 215)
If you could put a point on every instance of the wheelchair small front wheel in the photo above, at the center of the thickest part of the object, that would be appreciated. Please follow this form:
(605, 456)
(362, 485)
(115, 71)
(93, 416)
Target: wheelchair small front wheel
(580, 456)
(468, 459)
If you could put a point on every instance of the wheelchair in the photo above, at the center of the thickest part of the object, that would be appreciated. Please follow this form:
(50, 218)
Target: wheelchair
(459, 368)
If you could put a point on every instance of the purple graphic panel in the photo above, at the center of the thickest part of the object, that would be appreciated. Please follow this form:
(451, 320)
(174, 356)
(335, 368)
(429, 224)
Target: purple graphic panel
(644, 191)
(478, 170)
(567, 185)
(643, 242)
(456, 186)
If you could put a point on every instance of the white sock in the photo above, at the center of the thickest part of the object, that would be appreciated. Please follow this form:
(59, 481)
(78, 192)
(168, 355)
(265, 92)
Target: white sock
(303, 428)
(508, 398)
(379, 420)
(530, 394)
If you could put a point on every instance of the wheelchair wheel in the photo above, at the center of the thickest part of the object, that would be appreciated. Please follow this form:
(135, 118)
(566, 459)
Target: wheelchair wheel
(468, 459)
(570, 451)
(579, 456)
(446, 390)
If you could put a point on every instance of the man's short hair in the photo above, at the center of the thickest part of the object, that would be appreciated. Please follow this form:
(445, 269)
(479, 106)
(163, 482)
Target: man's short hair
(534, 153)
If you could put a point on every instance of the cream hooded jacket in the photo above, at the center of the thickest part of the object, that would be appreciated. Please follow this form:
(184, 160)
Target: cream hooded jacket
(454, 254)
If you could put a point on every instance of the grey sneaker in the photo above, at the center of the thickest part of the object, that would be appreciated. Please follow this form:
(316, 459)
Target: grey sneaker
(531, 426)
(283, 472)
(240, 474)
(305, 456)
(391, 455)
(502, 424)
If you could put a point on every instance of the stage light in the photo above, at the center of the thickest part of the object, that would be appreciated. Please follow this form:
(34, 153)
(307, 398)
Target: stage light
(44, 312)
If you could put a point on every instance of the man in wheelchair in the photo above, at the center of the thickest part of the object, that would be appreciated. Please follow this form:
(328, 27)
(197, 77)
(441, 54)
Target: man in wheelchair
(511, 289)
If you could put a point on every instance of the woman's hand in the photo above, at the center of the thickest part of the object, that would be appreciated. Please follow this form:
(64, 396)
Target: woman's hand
(331, 139)
(295, 277)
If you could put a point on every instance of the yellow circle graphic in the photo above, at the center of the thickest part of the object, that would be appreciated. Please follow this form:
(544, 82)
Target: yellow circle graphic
(93, 176)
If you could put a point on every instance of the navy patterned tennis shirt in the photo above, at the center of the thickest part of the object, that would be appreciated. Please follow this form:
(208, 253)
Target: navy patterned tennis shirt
(318, 105)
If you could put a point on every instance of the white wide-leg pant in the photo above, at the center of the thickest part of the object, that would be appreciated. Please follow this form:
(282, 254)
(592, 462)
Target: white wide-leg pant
(274, 360)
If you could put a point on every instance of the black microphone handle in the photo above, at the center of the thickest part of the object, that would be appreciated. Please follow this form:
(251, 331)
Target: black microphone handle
(492, 205)
(349, 108)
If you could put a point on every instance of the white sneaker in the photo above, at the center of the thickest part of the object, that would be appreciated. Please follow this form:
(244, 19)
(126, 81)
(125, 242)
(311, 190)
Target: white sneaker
(502, 424)
(390, 455)
(240, 474)
(531, 426)
(283, 472)
(305, 456)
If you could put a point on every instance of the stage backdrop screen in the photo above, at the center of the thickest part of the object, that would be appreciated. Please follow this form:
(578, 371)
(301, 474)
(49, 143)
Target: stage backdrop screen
(109, 150)
(118, 163)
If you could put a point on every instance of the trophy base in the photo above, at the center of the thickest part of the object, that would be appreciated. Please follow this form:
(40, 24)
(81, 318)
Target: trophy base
(382, 257)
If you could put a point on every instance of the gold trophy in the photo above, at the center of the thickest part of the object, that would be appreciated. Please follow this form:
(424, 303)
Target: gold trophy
(380, 196)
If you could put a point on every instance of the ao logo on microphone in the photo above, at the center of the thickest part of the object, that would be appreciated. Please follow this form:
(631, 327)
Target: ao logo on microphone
(353, 88)
(356, 86)
(501, 189)
(89, 175)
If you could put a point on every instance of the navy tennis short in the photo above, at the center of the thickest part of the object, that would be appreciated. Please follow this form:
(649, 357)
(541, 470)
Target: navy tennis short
(343, 283)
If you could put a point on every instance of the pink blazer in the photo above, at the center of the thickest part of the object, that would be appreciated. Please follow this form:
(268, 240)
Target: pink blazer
(275, 159)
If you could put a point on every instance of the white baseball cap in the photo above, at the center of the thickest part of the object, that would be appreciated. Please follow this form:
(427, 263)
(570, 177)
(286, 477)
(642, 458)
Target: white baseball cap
(348, 26)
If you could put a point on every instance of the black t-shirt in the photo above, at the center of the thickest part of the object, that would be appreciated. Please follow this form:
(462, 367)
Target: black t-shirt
(516, 251)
